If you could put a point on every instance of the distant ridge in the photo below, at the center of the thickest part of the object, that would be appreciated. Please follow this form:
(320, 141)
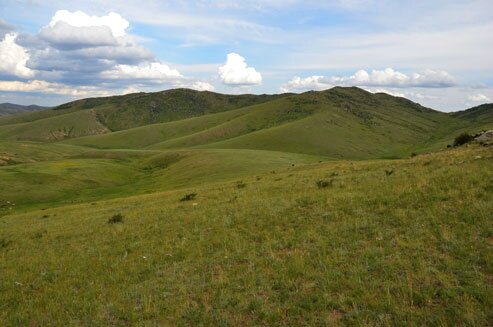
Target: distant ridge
(12, 109)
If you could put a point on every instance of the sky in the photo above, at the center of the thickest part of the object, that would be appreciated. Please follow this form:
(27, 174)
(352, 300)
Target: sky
(435, 52)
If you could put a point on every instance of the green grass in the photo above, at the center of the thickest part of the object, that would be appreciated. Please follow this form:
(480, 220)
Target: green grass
(412, 248)
(195, 208)
(88, 175)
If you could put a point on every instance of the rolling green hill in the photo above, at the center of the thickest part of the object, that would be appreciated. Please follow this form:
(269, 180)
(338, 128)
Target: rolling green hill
(137, 109)
(337, 123)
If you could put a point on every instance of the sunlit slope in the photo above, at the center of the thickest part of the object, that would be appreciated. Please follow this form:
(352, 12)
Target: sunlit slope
(339, 123)
(55, 128)
(144, 136)
(14, 152)
(411, 247)
(137, 109)
(84, 174)
(204, 129)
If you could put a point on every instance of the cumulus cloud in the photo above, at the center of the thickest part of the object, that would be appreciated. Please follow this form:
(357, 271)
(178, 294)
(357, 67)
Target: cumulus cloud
(387, 91)
(150, 71)
(64, 35)
(13, 58)
(114, 21)
(388, 77)
(235, 72)
(308, 83)
(51, 88)
(77, 29)
(478, 98)
(202, 86)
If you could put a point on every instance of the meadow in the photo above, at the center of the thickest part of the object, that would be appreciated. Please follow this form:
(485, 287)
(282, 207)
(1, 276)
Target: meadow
(384, 242)
(326, 208)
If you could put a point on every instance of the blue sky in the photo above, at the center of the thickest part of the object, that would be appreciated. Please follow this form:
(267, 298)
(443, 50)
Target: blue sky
(435, 52)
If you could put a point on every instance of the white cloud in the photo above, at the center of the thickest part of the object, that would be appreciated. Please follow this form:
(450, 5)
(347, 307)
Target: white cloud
(235, 72)
(388, 77)
(202, 86)
(65, 35)
(130, 89)
(38, 86)
(116, 23)
(316, 83)
(147, 71)
(13, 58)
(393, 93)
(77, 30)
(478, 98)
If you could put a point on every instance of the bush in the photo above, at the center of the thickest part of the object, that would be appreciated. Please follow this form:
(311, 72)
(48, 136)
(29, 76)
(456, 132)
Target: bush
(240, 184)
(116, 219)
(188, 197)
(463, 139)
(4, 243)
(324, 184)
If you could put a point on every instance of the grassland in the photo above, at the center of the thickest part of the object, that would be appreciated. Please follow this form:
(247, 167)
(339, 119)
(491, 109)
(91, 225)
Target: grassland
(411, 247)
(339, 207)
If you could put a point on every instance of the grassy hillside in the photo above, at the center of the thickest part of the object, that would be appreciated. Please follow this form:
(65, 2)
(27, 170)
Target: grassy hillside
(338, 123)
(64, 174)
(55, 128)
(122, 112)
(401, 242)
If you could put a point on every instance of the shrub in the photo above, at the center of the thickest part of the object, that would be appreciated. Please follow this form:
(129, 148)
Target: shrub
(240, 184)
(4, 243)
(463, 139)
(189, 197)
(323, 183)
(116, 219)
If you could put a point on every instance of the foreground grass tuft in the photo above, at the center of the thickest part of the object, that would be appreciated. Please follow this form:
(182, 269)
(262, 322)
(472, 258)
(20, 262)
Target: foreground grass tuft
(116, 219)
(189, 197)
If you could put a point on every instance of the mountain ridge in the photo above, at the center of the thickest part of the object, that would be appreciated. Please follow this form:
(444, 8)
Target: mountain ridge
(342, 122)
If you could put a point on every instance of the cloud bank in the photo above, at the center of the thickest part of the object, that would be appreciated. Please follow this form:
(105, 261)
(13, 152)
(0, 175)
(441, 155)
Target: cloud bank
(76, 51)
(387, 77)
